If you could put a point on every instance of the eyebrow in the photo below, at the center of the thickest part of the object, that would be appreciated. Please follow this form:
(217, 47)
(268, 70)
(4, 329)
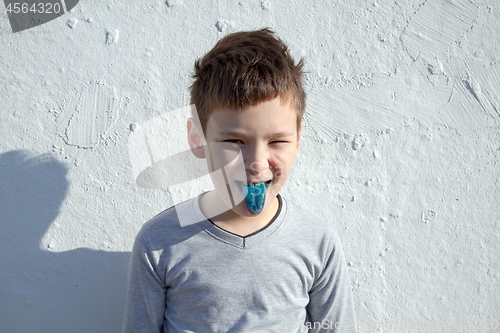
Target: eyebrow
(237, 133)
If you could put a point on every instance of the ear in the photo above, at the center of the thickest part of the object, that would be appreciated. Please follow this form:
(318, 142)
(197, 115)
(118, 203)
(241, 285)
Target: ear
(299, 134)
(195, 139)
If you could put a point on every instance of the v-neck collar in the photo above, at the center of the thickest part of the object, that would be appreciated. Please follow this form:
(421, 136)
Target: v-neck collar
(242, 242)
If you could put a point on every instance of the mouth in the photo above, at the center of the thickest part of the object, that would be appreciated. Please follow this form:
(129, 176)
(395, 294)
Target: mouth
(265, 183)
(254, 194)
(245, 187)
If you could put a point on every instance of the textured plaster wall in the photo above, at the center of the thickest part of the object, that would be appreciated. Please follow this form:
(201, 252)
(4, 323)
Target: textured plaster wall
(400, 150)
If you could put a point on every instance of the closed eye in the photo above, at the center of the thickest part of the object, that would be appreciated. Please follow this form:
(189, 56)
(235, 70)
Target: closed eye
(241, 142)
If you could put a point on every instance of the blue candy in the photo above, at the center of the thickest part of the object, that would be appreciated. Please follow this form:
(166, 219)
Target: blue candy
(256, 198)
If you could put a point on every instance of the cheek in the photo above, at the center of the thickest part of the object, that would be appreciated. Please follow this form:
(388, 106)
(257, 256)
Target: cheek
(226, 156)
(281, 167)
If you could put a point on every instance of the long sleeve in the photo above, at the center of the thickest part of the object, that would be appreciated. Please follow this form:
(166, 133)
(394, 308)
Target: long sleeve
(331, 307)
(145, 303)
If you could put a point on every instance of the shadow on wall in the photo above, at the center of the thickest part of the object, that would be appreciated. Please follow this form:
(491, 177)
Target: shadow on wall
(76, 291)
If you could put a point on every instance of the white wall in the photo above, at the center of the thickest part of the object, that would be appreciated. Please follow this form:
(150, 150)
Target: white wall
(401, 150)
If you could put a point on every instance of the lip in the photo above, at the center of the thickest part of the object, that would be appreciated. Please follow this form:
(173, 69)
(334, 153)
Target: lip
(253, 182)
(243, 186)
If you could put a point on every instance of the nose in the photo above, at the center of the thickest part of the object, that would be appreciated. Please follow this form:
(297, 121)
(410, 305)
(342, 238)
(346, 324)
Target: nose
(256, 158)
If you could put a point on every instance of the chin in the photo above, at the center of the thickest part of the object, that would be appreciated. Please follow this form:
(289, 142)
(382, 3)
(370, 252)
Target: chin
(242, 210)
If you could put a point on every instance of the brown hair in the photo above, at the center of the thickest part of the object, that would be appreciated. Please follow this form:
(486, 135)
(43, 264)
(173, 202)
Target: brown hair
(246, 68)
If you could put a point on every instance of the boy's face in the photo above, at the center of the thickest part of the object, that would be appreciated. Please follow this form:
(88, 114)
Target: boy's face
(266, 137)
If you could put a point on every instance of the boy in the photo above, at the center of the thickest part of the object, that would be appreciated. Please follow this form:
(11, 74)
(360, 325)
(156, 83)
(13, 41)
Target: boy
(250, 261)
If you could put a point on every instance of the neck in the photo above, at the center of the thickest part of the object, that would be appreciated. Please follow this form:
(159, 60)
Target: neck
(233, 222)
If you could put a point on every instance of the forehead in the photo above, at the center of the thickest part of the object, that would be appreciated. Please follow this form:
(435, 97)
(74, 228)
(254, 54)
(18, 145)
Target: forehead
(266, 117)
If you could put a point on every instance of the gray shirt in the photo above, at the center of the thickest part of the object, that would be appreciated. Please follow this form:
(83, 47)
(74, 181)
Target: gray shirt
(290, 276)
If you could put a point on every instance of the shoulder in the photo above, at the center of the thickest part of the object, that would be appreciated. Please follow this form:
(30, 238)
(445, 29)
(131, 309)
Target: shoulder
(309, 222)
(305, 230)
(165, 229)
(166, 220)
